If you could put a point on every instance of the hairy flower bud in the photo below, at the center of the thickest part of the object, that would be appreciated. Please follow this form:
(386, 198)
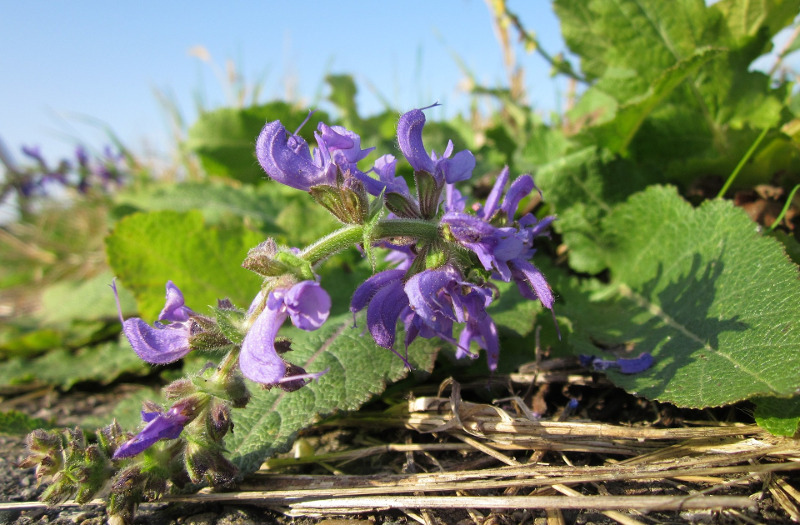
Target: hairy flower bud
(208, 463)
(219, 421)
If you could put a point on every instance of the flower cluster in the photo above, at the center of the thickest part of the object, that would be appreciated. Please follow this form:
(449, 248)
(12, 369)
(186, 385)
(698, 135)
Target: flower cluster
(445, 276)
(444, 258)
(82, 173)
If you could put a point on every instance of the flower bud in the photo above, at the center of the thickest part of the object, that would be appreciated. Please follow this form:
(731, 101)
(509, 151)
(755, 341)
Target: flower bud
(111, 437)
(206, 463)
(179, 388)
(347, 202)
(262, 261)
(219, 421)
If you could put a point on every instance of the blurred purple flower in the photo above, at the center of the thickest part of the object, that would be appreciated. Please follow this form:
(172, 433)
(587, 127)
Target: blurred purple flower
(307, 304)
(161, 343)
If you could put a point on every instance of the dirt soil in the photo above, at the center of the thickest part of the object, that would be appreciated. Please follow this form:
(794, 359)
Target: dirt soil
(604, 404)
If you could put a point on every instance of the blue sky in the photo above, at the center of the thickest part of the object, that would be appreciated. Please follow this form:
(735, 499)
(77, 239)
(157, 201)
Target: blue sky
(67, 64)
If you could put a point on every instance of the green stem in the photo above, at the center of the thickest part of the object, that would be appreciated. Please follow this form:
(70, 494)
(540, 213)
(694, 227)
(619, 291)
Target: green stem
(785, 208)
(353, 234)
(742, 163)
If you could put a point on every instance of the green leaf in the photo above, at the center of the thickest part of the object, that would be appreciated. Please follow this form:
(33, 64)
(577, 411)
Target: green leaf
(626, 46)
(25, 341)
(779, 416)
(89, 300)
(582, 188)
(513, 313)
(357, 370)
(148, 249)
(343, 96)
(645, 37)
(64, 368)
(218, 201)
(746, 18)
(717, 304)
(14, 423)
(617, 133)
(225, 139)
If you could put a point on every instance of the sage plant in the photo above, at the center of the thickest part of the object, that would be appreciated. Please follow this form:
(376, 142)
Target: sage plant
(445, 257)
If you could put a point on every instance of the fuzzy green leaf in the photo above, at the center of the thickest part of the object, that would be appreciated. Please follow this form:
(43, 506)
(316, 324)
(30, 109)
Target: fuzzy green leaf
(716, 303)
(582, 188)
(218, 201)
(64, 368)
(617, 133)
(358, 369)
(87, 300)
(148, 249)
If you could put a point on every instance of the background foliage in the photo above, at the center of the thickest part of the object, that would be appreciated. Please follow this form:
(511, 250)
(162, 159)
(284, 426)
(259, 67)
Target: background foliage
(643, 258)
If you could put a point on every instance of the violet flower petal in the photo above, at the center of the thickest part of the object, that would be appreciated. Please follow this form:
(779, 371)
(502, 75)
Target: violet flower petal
(279, 157)
(308, 305)
(342, 140)
(484, 332)
(459, 167)
(635, 365)
(531, 282)
(174, 309)
(158, 344)
(409, 138)
(453, 201)
(367, 290)
(520, 188)
(423, 293)
(168, 425)
(258, 360)
(493, 200)
(383, 312)
(632, 365)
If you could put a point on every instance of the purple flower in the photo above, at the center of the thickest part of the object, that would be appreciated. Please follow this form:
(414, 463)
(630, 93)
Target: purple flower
(387, 182)
(160, 425)
(35, 153)
(443, 169)
(161, 343)
(288, 160)
(501, 244)
(429, 304)
(633, 365)
(307, 304)
(440, 297)
(384, 297)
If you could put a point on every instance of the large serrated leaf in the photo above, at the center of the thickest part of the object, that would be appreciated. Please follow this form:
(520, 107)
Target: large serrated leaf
(717, 304)
(357, 370)
(148, 249)
(617, 133)
(582, 188)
